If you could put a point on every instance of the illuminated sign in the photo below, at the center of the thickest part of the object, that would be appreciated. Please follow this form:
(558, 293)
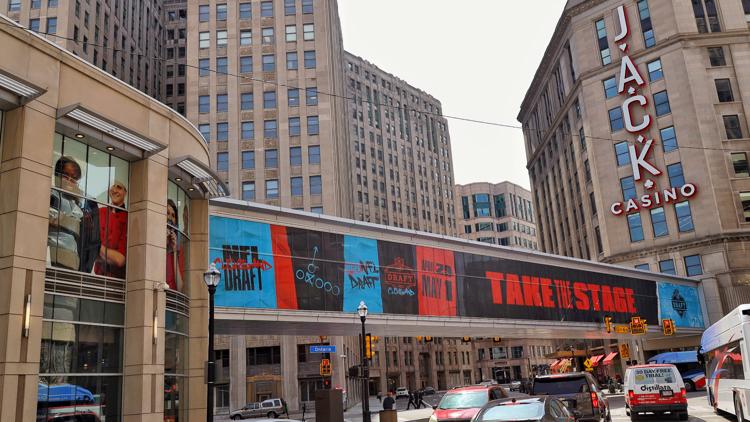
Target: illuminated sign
(634, 108)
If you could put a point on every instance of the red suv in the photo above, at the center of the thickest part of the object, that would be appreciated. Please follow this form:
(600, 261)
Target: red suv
(461, 404)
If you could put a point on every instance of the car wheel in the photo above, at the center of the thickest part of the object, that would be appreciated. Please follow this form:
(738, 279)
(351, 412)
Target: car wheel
(272, 415)
(236, 417)
(738, 409)
(689, 386)
(683, 416)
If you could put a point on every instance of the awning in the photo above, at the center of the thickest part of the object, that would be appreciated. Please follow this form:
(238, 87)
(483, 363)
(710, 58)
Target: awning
(595, 359)
(563, 365)
(553, 364)
(608, 359)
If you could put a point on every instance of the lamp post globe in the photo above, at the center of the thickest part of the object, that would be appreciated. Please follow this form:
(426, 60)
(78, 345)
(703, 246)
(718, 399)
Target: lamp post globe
(362, 311)
(211, 278)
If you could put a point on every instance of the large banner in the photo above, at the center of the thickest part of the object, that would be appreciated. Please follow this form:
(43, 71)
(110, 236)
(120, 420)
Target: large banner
(682, 304)
(276, 267)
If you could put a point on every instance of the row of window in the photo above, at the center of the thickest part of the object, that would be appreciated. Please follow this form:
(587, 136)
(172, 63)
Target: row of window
(267, 36)
(247, 100)
(245, 10)
(649, 39)
(270, 129)
(693, 266)
(272, 188)
(15, 5)
(35, 25)
(271, 158)
(659, 221)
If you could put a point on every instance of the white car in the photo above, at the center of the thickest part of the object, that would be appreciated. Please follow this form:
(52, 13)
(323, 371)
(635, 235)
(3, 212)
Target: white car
(402, 392)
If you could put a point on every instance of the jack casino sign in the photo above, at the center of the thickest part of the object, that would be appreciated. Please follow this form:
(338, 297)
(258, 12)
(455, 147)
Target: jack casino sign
(630, 87)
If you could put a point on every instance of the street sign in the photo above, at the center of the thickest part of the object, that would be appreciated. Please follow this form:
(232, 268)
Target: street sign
(637, 325)
(322, 349)
(587, 364)
(624, 351)
(622, 329)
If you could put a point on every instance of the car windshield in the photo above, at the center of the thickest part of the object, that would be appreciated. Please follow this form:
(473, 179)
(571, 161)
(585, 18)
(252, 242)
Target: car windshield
(519, 411)
(555, 386)
(466, 400)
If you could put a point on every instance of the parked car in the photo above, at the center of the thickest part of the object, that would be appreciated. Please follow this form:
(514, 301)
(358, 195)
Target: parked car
(654, 388)
(579, 391)
(463, 403)
(271, 408)
(428, 391)
(534, 409)
(402, 392)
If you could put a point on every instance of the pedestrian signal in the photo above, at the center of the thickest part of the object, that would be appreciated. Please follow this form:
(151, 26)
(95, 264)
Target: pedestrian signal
(668, 326)
(368, 346)
(325, 368)
(608, 324)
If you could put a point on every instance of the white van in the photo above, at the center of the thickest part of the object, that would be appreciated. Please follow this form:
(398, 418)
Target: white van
(654, 388)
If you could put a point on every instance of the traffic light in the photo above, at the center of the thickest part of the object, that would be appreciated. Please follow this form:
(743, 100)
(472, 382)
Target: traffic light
(368, 346)
(608, 324)
(428, 339)
(325, 368)
(466, 339)
(326, 383)
(496, 339)
(668, 327)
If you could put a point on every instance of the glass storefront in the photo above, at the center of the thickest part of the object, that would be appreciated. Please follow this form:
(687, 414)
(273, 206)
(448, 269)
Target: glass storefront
(175, 366)
(178, 237)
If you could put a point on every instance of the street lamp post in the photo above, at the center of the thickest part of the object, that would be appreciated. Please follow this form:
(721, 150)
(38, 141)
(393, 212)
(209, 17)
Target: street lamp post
(362, 311)
(211, 277)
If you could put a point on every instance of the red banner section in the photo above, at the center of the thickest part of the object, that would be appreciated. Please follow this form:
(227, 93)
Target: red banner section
(436, 273)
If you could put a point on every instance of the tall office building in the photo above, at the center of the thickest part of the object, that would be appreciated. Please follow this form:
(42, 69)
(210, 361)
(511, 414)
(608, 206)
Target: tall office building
(259, 80)
(402, 169)
(637, 139)
(500, 214)
(175, 51)
(122, 38)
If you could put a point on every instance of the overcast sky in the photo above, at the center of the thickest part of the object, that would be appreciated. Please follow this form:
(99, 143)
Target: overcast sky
(476, 56)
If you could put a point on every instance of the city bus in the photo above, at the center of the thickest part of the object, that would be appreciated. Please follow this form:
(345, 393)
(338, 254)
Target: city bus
(726, 351)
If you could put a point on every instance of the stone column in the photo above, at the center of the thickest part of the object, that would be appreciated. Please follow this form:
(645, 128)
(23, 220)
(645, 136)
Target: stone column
(289, 372)
(143, 357)
(25, 184)
(415, 357)
(198, 292)
(433, 368)
(237, 372)
(711, 296)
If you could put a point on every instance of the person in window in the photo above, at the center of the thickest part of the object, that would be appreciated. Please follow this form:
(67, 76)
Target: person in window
(114, 233)
(73, 237)
(175, 256)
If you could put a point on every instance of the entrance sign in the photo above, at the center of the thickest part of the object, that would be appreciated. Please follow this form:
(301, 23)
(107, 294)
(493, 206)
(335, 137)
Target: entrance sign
(639, 149)
(269, 266)
(323, 349)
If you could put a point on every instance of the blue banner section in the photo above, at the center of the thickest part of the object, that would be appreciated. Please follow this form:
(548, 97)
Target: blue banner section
(322, 349)
(361, 274)
(243, 253)
(681, 304)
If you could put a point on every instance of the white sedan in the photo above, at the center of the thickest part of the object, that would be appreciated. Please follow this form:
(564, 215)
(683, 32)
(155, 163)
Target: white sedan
(402, 392)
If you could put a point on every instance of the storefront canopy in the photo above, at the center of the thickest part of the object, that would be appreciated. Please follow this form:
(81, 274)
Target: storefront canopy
(595, 359)
(608, 359)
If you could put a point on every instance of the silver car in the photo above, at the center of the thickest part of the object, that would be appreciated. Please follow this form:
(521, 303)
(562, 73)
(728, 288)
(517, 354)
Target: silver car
(270, 408)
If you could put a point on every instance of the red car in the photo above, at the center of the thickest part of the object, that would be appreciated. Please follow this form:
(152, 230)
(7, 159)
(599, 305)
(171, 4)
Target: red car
(462, 404)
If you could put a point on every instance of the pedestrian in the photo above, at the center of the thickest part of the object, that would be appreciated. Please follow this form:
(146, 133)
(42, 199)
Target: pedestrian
(420, 399)
(412, 400)
(389, 401)
(380, 396)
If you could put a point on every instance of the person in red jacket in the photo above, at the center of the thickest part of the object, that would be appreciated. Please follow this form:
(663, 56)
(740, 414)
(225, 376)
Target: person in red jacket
(113, 223)
(175, 255)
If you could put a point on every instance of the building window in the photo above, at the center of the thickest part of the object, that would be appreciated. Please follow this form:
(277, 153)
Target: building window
(204, 12)
(499, 205)
(307, 7)
(467, 229)
(648, 31)
(52, 25)
(693, 265)
(308, 32)
(295, 156)
(272, 159)
(661, 103)
(15, 6)
(667, 267)
(294, 126)
(724, 90)
(34, 27)
(266, 36)
(205, 130)
(311, 96)
(53, 3)
(483, 227)
(644, 267)
(628, 188)
(616, 122)
(745, 201)
(246, 37)
(292, 62)
(204, 39)
(248, 191)
(668, 139)
(270, 129)
(599, 247)
(272, 189)
(221, 65)
(732, 126)
(316, 185)
(266, 9)
(222, 161)
(292, 97)
(313, 154)
(318, 210)
(245, 11)
(221, 38)
(269, 99)
(222, 131)
(246, 101)
(481, 205)
(636, 227)
(739, 163)
(222, 103)
(296, 184)
(659, 222)
(204, 104)
(622, 153)
(716, 56)
(310, 59)
(248, 160)
(248, 130)
(601, 35)
(587, 170)
(289, 7)
(655, 71)
(706, 16)
(203, 67)
(291, 33)
(610, 87)
(684, 216)
(269, 63)
(676, 175)
(246, 64)
(313, 125)
(582, 139)
(592, 201)
(221, 12)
